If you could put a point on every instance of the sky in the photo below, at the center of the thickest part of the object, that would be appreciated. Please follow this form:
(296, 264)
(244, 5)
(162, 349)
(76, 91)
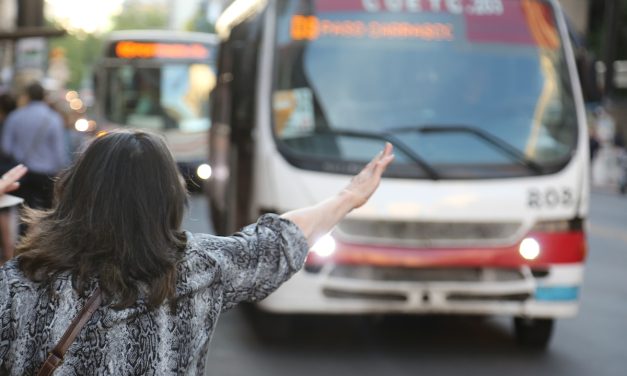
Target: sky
(88, 15)
(95, 15)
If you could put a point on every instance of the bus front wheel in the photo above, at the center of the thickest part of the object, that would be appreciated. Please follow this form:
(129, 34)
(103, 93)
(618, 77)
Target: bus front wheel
(533, 333)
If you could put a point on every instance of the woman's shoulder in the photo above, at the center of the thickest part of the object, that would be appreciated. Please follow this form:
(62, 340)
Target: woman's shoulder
(11, 275)
(199, 254)
(201, 245)
(14, 283)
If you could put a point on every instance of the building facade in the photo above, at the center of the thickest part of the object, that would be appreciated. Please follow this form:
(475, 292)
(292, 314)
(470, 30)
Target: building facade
(577, 12)
(8, 20)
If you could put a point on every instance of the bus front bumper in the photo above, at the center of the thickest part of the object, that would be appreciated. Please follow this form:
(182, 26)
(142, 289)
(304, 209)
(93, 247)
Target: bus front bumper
(326, 292)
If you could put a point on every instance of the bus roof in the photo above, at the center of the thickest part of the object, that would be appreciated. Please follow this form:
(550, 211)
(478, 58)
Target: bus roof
(237, 12)
(162, 36)
(241, 10)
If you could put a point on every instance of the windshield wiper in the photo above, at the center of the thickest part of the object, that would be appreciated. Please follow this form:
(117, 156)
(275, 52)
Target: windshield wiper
(383, 136)
(398, 144)
(496, 142)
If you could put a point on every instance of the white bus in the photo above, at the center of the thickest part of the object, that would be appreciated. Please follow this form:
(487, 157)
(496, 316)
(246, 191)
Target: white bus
(160, 80)
(483, 211)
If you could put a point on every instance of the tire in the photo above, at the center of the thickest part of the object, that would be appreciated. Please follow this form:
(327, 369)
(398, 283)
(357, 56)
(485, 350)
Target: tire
(533, 334)
(623, 188)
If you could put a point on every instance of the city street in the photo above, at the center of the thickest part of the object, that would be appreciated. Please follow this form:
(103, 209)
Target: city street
(591, 344)
(478, 121)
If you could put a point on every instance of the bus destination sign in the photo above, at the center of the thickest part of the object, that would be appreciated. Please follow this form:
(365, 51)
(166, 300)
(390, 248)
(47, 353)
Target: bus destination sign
(159, 50)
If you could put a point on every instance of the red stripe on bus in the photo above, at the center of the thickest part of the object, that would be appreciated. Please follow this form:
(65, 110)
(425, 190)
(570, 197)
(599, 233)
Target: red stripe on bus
(556, 248)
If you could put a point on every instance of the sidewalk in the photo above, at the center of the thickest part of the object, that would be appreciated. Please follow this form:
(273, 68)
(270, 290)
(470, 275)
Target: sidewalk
(606, 169)
(618, 109)
(606, 190)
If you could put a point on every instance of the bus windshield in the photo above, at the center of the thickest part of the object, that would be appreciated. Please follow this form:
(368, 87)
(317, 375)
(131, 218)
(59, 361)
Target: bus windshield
(495, 67)
(160, 97)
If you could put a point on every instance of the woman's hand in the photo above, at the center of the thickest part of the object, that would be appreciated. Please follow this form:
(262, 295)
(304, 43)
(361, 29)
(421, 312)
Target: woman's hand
(9, 181)
(364, 184)
(319, 219)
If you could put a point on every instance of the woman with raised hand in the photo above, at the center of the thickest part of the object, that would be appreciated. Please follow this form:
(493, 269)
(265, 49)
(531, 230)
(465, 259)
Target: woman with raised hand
(152, 293)
(8, 229)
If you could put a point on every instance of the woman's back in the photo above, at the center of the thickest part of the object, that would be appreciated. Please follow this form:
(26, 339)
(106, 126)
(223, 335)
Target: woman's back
(214, 274)
(115, 226)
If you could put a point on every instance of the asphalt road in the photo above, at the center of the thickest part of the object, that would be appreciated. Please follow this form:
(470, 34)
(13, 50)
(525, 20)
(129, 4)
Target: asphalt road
(593, 343)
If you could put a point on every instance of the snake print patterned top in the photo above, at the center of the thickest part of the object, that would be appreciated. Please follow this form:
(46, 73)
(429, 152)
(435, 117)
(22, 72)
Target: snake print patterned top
(215, 274)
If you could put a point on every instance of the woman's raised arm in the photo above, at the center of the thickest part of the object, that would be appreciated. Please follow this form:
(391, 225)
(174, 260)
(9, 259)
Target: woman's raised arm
(257, 260)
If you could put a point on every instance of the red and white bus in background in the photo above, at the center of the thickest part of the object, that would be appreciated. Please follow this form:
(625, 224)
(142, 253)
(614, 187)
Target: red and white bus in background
(160, 80)
(483, 211)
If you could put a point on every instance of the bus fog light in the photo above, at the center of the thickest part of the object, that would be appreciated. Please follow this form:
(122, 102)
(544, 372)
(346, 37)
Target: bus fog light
(325, 246)
(204, 171)
(529, 249)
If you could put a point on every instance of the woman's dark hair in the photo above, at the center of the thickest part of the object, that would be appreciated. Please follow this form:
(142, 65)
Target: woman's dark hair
(116, 218)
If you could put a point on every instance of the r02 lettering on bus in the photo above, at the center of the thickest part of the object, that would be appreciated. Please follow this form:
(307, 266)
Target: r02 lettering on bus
(550, 198)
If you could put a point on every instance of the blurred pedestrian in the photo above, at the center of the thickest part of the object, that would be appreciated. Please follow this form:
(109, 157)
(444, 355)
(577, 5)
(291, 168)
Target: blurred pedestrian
(621, 151)
(7, 105)
(113, 242)
(9, 182)
(34, 135)
(593, 142)
(74, 140)
(619, 140)
(8, 213)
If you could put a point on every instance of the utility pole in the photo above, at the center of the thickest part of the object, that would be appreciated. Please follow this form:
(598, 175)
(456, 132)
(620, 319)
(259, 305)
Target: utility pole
(30, 22)
(31, 45)
(30, 13)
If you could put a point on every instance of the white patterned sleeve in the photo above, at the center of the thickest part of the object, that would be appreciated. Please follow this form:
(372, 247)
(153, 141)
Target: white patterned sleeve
(257, 260)
(7, 321)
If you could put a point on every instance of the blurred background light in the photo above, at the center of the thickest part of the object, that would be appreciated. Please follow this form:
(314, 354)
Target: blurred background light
(204, 171)
(81, 125)
(71, 95)
(76, 104)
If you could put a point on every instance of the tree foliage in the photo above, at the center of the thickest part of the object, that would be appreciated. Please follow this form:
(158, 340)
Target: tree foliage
(199, 21)
(81, 52)
(141, 16)
(82, 49)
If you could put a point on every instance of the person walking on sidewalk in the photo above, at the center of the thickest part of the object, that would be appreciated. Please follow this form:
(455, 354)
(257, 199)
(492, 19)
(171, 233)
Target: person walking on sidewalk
(8, 183)
(8, 212)
(34, 136)
(112, 243)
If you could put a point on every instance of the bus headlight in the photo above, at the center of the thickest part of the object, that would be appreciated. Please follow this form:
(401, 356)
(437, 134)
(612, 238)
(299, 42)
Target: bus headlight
(325, 246)
(529, 249)
(204, 171)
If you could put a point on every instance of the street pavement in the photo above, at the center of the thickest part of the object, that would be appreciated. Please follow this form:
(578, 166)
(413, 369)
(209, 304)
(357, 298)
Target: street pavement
(594, 343)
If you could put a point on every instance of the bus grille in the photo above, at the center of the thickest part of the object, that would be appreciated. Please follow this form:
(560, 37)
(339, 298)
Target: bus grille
(426, 233)
(400, 274)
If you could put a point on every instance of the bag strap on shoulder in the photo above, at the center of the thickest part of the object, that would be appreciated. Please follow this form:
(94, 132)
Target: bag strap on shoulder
(55, 357)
